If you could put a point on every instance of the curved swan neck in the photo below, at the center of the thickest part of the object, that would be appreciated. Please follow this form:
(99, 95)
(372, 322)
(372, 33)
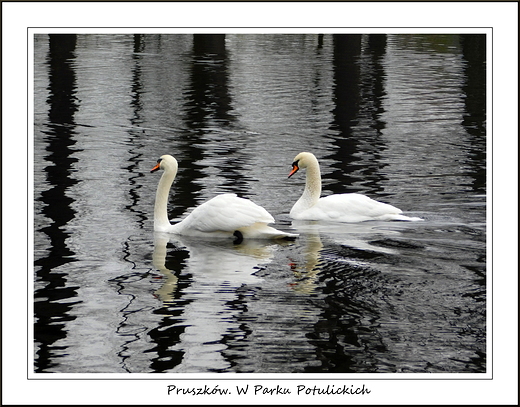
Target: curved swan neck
(312, 191)
(161, 220)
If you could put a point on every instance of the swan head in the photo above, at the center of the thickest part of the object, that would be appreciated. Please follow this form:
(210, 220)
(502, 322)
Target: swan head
(166, 162)
(302, 160)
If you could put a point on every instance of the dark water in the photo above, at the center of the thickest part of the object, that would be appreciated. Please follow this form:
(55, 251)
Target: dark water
(401, 118)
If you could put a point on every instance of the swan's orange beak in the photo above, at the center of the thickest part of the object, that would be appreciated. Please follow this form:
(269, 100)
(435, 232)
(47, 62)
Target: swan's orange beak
(295, 169)
(156, 167)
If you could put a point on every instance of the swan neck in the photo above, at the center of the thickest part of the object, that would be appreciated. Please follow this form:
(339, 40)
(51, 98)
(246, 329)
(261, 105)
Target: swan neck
(313, 184)
(161, 220)
(312, 191)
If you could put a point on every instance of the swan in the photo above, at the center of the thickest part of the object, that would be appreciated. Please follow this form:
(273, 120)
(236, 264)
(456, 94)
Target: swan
(336, 208)
(224, 216)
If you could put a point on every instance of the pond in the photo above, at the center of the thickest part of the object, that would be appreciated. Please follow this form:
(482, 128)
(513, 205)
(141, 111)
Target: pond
(400, 118)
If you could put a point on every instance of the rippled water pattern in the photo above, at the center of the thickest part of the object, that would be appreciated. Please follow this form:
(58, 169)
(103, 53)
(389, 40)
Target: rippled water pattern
(401, 118)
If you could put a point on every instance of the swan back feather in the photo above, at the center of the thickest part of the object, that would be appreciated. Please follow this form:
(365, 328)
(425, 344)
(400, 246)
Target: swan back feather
(225, 212)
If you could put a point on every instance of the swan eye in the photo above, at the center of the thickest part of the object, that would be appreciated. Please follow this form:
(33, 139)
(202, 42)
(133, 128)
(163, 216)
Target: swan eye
(159, 160)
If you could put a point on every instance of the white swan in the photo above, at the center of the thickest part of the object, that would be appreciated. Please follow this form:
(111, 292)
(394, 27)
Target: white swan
(336, 208)
(224, 216)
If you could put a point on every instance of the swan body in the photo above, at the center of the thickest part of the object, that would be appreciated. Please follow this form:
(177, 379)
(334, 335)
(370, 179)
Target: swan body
(224, 216)
(336, 208)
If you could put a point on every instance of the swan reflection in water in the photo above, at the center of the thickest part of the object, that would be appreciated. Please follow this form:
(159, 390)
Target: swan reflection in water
(355, 235)
(207, 283)
(314, 253)
(216, 271)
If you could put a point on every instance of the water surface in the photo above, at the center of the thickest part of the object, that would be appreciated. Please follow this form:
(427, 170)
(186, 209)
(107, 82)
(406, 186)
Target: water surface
(400, 118)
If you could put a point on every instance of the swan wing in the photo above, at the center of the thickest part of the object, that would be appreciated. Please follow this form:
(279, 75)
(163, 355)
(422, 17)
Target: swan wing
(226, 213)
(352, 208)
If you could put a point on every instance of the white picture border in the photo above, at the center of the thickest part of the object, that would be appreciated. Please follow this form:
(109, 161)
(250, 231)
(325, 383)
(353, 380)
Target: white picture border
(20, 20)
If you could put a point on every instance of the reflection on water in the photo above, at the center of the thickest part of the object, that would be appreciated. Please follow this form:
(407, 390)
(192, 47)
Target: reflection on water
(52, 294)
(400, 118)
(214, 273)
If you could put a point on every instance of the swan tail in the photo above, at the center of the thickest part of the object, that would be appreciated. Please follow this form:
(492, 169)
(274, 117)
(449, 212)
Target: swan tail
(405, 218)
(263, 231)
